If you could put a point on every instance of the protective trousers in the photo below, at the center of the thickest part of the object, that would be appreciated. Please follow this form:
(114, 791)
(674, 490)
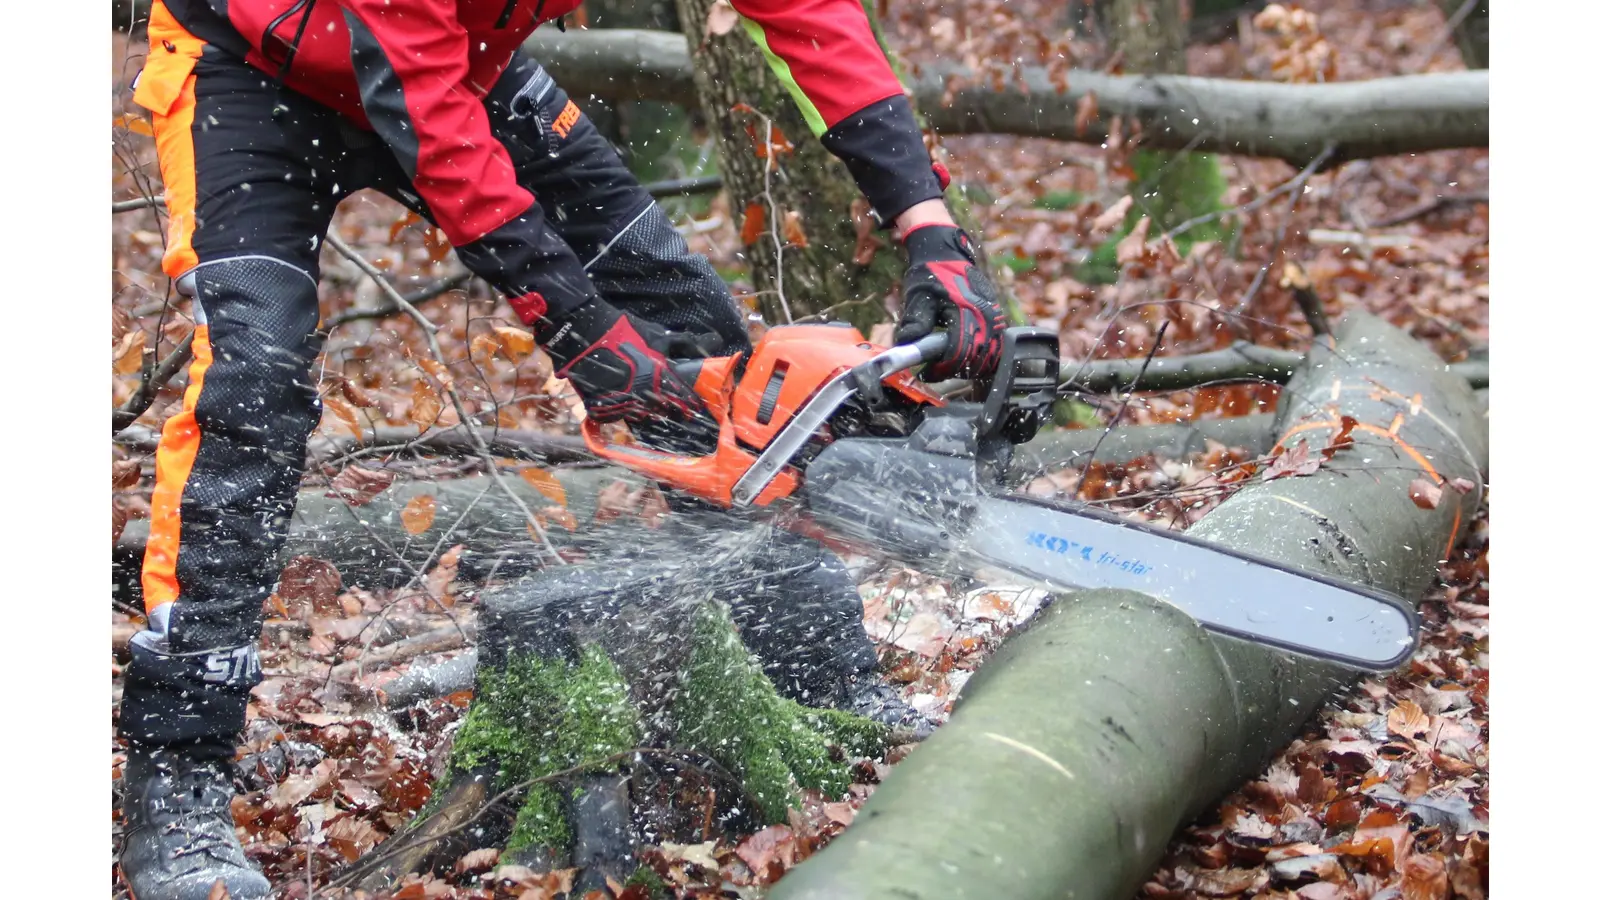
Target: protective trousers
(253, 172)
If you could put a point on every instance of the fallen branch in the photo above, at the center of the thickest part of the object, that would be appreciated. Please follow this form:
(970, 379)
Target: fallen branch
(535, 446)
(1292, 122)
(439, 640)
(438, 288)
(1240, 362)
(1430, 207)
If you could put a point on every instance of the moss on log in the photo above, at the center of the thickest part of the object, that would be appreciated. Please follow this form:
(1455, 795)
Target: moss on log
(1079, 749)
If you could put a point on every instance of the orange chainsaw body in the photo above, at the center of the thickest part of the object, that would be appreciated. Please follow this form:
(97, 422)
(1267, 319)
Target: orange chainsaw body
(752, 404)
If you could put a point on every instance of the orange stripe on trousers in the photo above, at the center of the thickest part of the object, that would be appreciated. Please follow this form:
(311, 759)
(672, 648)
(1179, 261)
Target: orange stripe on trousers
(180, 443)
(173, 131)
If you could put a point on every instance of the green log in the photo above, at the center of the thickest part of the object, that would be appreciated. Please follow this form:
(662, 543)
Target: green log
(1076, 753)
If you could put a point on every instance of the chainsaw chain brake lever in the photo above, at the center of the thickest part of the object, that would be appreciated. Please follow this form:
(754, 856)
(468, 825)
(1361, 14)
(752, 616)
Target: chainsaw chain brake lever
(1024, 385)
(866, 379)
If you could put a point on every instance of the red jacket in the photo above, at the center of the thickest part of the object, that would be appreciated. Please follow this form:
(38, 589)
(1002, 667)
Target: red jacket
(423, 67)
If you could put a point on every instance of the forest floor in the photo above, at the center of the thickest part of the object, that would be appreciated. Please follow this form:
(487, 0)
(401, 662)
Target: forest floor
(1385, 793)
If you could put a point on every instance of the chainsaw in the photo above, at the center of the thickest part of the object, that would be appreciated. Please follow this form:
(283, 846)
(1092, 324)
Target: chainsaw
(817, 420)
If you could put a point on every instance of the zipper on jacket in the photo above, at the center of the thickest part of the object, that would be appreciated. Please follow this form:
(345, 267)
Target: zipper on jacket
(505, 14)
(266, 33)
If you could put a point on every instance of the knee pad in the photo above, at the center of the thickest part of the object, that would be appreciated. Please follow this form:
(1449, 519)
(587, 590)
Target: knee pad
(261, 319)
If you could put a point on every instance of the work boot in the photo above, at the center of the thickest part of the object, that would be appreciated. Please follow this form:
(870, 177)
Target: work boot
(869, 696)
(179, 838)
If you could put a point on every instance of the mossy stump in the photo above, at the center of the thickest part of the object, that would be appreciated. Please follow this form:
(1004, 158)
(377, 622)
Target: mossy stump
(616, 705)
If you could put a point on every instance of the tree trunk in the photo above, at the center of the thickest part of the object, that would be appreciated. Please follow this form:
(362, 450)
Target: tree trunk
(808, 185)
(1471, 34)
(1079, 749)
(1150, 35)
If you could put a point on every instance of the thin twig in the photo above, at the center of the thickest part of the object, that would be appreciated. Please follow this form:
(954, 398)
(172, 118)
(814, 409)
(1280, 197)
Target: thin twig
(1160, 334)
(1450, 26)
(438, 288)
(1431, 206)
(430, 331)
(1293, 184)
(1297, 188)
(154, 380)
(767, 165)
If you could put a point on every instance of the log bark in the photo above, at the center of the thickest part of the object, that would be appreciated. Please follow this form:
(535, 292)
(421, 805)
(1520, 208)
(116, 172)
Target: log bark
(1150, 35)
(1079, 749)
(1292, 122)
(370, 545)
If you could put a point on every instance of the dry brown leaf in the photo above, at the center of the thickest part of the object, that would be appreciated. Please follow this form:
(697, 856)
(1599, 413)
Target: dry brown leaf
(721, 19)
(558, 515)
(615, 500)
(1108, 221)
(352, 836)
(135, 124)
(124, 473)
(546, 484)
(867, 241)
(1088, 112)
(1423, 877)
(769, 852)
(1133, 249)
(1341, 439)
(1295, 461)
(219, 891)
(425, 405)
(441, 578)
(755, 222)
(482, 348)
(356, 485)
(119, 520)
(437, 370)
(306, 579)
(400, 224)
(840, 813)
(357, 395)
(417, 516)
(342, 411)
(652, 505)
(1407, 720)
(516, 342)
(478, 860)
(438, 245)
(793, 233)
(1425, 493)
(129, 353)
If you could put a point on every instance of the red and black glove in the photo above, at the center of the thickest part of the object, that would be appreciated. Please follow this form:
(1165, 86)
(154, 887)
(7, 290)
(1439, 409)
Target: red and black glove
(619, 366)
(944, 288)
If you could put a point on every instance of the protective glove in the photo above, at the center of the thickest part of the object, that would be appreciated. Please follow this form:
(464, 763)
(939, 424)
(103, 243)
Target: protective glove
(944, 288)
(620, 367)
